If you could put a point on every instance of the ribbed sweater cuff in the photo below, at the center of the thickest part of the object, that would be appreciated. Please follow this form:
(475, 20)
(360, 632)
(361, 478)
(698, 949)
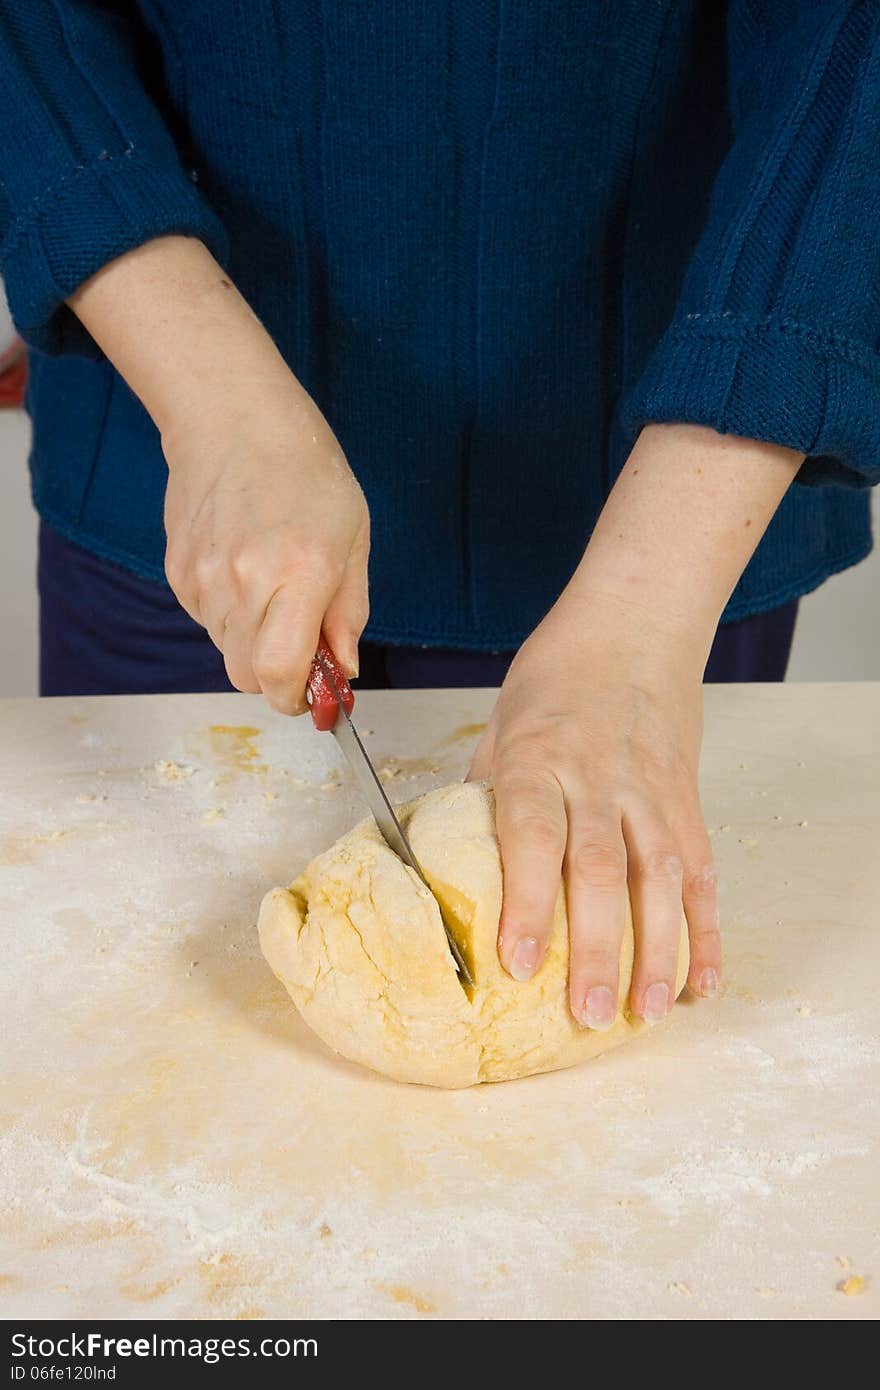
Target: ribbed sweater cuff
(102, 210)
(782, 382)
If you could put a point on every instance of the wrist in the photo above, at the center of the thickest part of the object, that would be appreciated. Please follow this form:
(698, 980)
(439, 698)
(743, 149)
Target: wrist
(668, 600)
(230, 377)
(210, 410)
(648, 636)
(268, 427)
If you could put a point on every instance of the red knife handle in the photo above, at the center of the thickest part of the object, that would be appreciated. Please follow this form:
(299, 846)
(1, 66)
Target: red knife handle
(320, 694)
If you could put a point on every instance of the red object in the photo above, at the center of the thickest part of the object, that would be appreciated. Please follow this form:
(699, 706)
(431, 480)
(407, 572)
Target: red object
(13, 375)
(322, 700)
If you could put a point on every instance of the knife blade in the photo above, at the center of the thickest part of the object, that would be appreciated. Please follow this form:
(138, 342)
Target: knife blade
(331, 701)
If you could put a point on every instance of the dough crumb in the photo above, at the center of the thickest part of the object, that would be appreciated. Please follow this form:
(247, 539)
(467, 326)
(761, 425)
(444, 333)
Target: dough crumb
(678, 1287)
(724, 829)
(406, 769)
(802, 824)
(330, 786)
(766, 1292)
(853, 1286)
(211, 816)
(804, 1011)
(400, 1294)
(88, 798)
(172, 772)
(324, 1230)
(844, 1261)
(270, 796)
(749, 841)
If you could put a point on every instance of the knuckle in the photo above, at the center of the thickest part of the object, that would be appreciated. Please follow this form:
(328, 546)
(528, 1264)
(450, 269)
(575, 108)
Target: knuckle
(245, 564)
(594, 960)
(205, 569)
(658, 935)
(602, 864)
(523, 781)
(662, 866)
(658, 958)
(537, 829)
(704, 935)
(273, 668)
(701, 881)
(526, 753)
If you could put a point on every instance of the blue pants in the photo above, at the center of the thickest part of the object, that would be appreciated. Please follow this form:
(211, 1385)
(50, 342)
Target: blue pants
(105, 631)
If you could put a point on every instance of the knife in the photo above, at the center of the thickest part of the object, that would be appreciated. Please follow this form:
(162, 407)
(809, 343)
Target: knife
(331, 701)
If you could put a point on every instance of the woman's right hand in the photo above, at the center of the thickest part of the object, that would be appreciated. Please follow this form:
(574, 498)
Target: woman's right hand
(268, 530)
(268, 538)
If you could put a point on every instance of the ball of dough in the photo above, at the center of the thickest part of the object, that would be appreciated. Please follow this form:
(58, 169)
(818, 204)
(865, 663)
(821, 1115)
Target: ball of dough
(359, 944)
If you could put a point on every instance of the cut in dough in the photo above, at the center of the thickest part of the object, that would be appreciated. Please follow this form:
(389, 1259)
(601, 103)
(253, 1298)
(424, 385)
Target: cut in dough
(358, 942)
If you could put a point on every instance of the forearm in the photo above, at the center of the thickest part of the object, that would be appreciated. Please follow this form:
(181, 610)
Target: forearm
(176, 328)
(268, 531)
(681, 524)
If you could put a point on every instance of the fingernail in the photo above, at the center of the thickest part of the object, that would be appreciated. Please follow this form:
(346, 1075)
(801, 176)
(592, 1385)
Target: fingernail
(600, 1009)
(708, 982)
(656, 1005)
(524, 961)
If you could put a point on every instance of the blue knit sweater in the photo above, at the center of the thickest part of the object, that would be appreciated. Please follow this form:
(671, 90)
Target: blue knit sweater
(492, 238)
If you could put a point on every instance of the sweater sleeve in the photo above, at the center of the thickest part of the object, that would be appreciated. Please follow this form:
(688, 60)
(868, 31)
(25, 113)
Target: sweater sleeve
(88, 168)
(776, 335)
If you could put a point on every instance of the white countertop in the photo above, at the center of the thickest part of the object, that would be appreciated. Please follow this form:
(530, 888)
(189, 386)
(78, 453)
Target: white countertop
(176, 1144)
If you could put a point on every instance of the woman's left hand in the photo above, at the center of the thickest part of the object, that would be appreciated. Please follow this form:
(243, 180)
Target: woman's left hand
(593, 749)
(594, 743)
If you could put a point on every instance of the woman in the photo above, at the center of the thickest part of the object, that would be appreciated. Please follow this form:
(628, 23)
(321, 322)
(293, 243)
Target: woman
(581, 290)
